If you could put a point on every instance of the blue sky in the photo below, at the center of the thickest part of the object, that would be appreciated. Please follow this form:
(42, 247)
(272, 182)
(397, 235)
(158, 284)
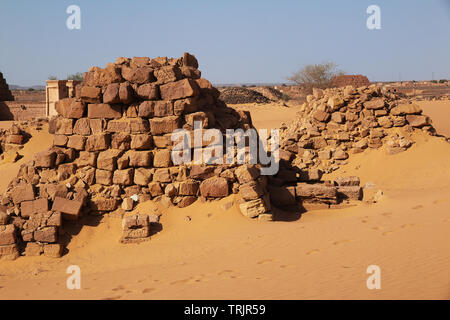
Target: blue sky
(235, 41)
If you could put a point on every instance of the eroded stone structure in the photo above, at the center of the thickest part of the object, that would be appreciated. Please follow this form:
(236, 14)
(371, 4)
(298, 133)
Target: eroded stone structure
(112, 148)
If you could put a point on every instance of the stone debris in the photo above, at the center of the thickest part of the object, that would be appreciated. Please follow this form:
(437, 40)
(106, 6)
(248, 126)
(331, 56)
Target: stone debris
(112, 150)
(335, 123)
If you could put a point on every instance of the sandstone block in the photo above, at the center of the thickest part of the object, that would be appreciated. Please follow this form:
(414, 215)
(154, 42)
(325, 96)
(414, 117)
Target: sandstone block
(142, 176)
(107, 160)
(98, 142)
(214, 187)
(141, 142)
(164, 125)
(140, 158)
(111, 94)
(188, 188)
(7, 234)
(104, 111)
(148, 91)
(76, 142)
(253, 208)
(22, 193)
(70, 108)
(90, 94)
(46, 235)
(70, 209)
(162, 175)
(405, 109)
(29, 208)
(179, 89)
(162, 158)
(123, 177)
(103, 177)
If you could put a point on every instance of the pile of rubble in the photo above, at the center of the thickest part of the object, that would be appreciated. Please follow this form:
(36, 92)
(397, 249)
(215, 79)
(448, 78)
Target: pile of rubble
(334, 123)
(240, 95)
(11, 141)
(112, 148)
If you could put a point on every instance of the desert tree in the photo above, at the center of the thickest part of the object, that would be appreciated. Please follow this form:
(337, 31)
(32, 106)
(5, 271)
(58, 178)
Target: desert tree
(52, 78)
(316, 75)
(76, 76)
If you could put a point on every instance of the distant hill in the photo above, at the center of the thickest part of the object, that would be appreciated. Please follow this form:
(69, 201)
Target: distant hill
(15, 87)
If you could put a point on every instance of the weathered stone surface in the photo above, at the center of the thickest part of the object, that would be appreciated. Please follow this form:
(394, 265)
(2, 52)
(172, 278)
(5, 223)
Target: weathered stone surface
(111, 94)
(167, 74)
(90, 94)
(246, 173)
(251, 191)
(46, 235)
(103, 177)
(148, 91)
(107, 160)
(214, 188)
(139, 126)
(316, 192)
(121, 141)
(140, 158)
(98, 142)
(405, 109)
(126, 93)
(7, 234)
(162, 158)
(45, 159)
(82, 127)
(180, 89)
(164, 125)
(53, 250)
(350, 192)
(123, 177)
(70, 209)
(321, 116)
(86, 159)
(162, 175)
(138, 75)
(9, 252)
(347, 181)
(70, 108)
(142, 176)
(119, 126)
(141, 142)
(29, 208)
(253, 208)
(22, 193)
(375, 104)
(188, 187)
(189, 60)
(102, 204)
(104, 110)
(34, 249)
(418, 120)
(76, 142)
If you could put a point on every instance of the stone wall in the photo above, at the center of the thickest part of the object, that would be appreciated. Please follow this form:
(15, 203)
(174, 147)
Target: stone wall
(350, 80)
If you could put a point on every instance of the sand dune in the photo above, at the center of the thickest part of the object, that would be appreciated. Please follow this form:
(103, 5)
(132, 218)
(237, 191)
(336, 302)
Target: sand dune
(219, 254)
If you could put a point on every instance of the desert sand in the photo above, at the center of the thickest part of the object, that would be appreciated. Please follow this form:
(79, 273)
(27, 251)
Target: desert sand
(206, 251)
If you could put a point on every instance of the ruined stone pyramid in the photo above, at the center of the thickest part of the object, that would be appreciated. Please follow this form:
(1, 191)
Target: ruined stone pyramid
(5, 93)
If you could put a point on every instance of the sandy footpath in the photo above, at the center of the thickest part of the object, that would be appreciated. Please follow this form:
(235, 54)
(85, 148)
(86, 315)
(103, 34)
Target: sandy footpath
(219, 254)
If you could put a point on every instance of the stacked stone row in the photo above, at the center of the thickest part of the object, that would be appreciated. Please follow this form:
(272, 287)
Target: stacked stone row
(112, 146)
